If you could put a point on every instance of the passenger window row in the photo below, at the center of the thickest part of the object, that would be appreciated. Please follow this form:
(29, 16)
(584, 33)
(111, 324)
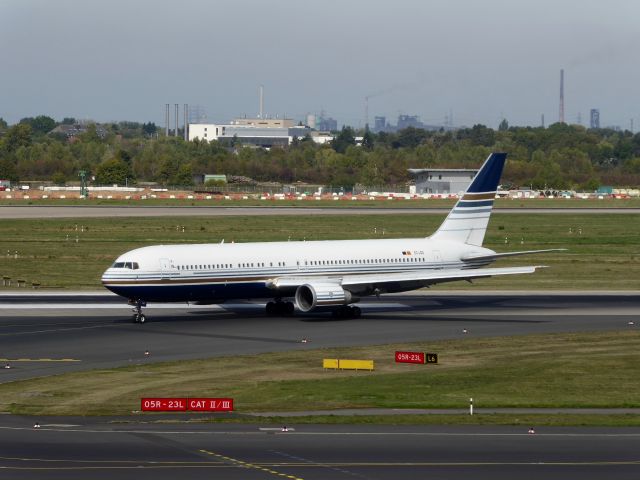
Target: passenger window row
(361, 261)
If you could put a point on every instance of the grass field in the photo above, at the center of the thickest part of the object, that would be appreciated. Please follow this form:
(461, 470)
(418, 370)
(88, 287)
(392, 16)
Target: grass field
(563, 370)
(602, 251)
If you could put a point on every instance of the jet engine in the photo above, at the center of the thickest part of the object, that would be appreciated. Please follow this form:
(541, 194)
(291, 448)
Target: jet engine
(317, 295)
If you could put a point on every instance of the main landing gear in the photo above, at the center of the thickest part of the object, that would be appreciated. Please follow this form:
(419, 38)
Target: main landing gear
(279, 308)
(346, 311)
(138, 316)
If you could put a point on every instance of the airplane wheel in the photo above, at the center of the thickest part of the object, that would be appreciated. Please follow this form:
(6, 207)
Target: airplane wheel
(271, 308)
(142, 318)
(135, 318)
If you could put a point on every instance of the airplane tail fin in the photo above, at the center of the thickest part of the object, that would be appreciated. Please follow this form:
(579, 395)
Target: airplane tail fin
(467, 221)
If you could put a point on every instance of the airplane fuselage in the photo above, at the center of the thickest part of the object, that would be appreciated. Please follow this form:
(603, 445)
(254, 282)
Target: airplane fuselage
(218, 272)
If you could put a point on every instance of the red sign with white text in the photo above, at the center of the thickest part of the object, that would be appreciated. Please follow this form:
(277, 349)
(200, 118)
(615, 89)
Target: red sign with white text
(410, 357)
(210, 404)
(184, 404)
(163, 404)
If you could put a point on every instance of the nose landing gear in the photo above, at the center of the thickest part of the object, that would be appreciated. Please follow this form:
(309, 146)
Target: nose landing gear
(138, 316)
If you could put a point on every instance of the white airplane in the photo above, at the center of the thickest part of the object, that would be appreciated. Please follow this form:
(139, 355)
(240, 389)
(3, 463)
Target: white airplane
(318, 275)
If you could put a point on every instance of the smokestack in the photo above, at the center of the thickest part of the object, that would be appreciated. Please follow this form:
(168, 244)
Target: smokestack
(186, 122)
(261, 101)
(166, 121)
(176, 132)
(542, 121)
(562, 96)
(366, 113)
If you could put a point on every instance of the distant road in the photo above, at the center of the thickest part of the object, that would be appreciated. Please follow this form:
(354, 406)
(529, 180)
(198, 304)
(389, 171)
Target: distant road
(7, 212)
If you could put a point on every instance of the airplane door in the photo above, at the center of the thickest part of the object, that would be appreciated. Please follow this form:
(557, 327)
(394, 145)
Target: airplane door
(165, 268)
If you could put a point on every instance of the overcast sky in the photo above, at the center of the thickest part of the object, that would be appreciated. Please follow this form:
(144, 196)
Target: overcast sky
(482, 60)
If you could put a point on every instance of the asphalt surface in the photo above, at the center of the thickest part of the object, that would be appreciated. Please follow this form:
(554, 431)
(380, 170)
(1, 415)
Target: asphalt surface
(94, 211)
(71, 448)
(47, 334)
(51, 334)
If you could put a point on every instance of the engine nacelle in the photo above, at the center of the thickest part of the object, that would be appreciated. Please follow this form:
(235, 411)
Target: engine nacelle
(317, 295)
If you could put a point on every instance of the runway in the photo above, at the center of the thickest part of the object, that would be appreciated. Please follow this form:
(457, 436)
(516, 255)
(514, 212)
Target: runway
(48, 334)
(79, 448)
(51, 334)
(95, 211)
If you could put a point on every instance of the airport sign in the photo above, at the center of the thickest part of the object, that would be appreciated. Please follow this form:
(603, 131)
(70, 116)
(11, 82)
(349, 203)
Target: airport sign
(163, 404)
(210, 404)
(410, 357)
(416, 357)
(186, 404)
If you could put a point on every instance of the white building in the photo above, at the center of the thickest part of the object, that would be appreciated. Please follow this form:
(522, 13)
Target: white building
(442, 181)
(249, 134)
(245, 134)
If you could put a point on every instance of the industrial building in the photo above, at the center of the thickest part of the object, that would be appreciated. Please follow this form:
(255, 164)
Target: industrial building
(442, 181)
(265, 122)
(594, 120)
(248, 134)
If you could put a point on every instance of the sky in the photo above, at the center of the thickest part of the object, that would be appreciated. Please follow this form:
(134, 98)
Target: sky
(479, 61)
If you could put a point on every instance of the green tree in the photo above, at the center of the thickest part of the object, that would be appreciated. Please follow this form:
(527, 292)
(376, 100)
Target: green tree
(367, 140)
(184, 175)
(410, 137)
(504, 125)
(40, 124)
(149, 128)
(17, 136)
(59, 178)
(113, 171)
(345, 138)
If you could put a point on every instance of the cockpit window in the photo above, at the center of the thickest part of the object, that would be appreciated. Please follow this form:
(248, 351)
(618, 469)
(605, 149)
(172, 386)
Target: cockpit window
(129, 265)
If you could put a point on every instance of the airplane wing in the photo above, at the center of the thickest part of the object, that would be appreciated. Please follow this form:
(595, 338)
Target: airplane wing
(495, 256)
(359, 282)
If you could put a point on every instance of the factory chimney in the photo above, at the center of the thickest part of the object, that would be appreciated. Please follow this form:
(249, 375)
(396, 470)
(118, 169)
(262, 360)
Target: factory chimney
(261, 101)
(186, 122)
(166, 121)
(175, 134)
(562, 96)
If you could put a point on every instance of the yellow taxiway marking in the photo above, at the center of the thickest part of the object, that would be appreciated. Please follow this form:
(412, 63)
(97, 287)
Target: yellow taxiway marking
(268, 467)
(39, 360)
(254, 466)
